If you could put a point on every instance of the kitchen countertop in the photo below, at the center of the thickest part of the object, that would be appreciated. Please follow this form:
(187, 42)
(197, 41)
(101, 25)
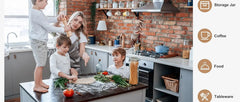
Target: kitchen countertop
(174, 61)
(56, 95)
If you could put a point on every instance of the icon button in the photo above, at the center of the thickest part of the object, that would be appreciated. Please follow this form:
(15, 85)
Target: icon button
(204, 66)
(204, 5)
(204, 96)
(204, 35)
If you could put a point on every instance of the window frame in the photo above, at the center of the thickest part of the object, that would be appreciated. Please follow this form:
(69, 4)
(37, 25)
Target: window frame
(27, 16)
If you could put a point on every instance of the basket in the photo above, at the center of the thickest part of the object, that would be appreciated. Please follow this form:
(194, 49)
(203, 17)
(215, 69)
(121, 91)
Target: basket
(171, 83)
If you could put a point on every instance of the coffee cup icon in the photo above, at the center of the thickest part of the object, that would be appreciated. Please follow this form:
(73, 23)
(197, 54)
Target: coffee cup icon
(205, 35)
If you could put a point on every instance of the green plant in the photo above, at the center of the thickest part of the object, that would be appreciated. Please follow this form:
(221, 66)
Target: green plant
(57, 5)
(93, 12)
(61, 82)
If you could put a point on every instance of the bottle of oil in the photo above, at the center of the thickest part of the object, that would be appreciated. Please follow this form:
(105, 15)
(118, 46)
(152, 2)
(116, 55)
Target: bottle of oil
(99, 66)
(186, 50)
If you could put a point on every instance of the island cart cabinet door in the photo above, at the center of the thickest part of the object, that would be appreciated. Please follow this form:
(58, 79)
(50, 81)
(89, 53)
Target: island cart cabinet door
(110, 59)
(104, 59)
(186, 86)
(88, 68)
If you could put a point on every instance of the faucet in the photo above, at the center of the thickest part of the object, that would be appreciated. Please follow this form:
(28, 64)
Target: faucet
(8, 38)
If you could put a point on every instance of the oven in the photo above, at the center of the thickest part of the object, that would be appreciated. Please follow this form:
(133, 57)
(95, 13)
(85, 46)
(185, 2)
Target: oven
(146, 76)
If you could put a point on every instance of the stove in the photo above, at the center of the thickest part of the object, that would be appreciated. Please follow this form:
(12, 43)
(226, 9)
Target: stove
(146, 53)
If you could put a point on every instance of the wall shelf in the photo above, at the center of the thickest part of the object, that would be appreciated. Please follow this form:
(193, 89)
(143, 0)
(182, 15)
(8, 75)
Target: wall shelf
(105, 10)
(114, 9)
(162, 89)
(188, 7)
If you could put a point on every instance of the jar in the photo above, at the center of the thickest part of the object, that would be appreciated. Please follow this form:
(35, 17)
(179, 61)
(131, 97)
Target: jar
(110, 5)
(115, 4)
(121, 4)
(186, 51)
(129, 4)
(133, 79)
(105, 4)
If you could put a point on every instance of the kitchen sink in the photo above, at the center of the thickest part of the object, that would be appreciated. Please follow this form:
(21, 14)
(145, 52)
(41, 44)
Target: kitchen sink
(19, 48)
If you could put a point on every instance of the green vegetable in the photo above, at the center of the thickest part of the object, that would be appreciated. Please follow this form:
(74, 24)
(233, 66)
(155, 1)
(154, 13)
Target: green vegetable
(61, 82)
(120, 81)
(102, 78)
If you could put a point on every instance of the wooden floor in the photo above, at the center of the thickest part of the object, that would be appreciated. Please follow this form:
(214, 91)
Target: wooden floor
(13, 100)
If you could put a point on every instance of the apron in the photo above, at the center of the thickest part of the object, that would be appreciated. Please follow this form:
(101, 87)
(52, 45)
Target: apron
(74, 52)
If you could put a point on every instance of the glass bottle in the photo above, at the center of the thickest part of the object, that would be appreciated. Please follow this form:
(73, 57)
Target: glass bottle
(186, 51)
(99, 66)
(133, 79)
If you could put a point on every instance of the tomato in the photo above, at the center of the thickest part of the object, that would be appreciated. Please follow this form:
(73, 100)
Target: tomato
(105, 73)
(68, 92)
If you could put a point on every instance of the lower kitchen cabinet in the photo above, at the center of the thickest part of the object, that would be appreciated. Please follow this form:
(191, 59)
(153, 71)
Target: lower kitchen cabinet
(94, 58)
(19, 67)
(185, 84)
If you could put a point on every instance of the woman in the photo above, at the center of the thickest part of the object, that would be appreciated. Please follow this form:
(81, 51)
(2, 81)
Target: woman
(78, 25)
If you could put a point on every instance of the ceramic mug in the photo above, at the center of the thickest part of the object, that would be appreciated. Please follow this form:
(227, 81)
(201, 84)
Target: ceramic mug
(126, 13)
(118, 13)
(109, 13)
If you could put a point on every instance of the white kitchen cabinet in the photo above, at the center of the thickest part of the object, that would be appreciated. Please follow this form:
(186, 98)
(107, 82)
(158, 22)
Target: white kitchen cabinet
(94, 57)
(110, 59)
(19, 67)
(186, 86)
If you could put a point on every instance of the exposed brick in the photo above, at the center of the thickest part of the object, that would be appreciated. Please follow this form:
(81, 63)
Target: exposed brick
(183, 23)
(152, 37)
(158, 28)
(176, 27)
(150, 33)
(174, 36)
(179, 32)
(182, 15)
(169, 31)
(170, 22)
(165, 39)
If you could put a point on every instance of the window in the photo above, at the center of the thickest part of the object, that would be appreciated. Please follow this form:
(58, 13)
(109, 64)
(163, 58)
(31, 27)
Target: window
(16, 18)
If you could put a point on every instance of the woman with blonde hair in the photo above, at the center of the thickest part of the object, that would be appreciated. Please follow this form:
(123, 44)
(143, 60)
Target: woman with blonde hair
(78, 24)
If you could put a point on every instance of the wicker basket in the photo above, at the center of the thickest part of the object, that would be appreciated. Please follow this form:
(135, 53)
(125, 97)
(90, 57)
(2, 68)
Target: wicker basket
(171, 83)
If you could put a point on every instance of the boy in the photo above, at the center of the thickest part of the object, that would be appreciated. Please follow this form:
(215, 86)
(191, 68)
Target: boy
(118, 67)
(60, 60)
(40, 26)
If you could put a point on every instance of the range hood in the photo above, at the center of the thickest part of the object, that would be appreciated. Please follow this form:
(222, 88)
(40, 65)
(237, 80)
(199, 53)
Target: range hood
(163, 6)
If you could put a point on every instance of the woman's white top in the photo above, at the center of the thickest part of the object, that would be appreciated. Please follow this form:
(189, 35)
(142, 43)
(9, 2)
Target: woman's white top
(122, 71)
(74, 37)
(59, 63)
(40, 25)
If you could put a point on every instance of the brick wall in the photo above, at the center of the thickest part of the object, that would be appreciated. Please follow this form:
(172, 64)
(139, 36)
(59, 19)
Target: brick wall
(168, 29)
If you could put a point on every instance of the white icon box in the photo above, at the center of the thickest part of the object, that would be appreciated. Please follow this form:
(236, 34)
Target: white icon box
(205, 5)
(204, 66)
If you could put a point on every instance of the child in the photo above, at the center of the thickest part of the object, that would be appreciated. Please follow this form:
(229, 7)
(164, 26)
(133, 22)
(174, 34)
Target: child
(118, 67)
(60, 60)
(40, 26)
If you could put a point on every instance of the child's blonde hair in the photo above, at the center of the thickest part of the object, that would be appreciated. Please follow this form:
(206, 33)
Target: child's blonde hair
(121, 51)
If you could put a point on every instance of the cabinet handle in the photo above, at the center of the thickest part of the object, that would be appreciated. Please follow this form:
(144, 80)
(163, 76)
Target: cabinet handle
(8, 57)
(15, 56)
(96, 53)
(91, 52)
